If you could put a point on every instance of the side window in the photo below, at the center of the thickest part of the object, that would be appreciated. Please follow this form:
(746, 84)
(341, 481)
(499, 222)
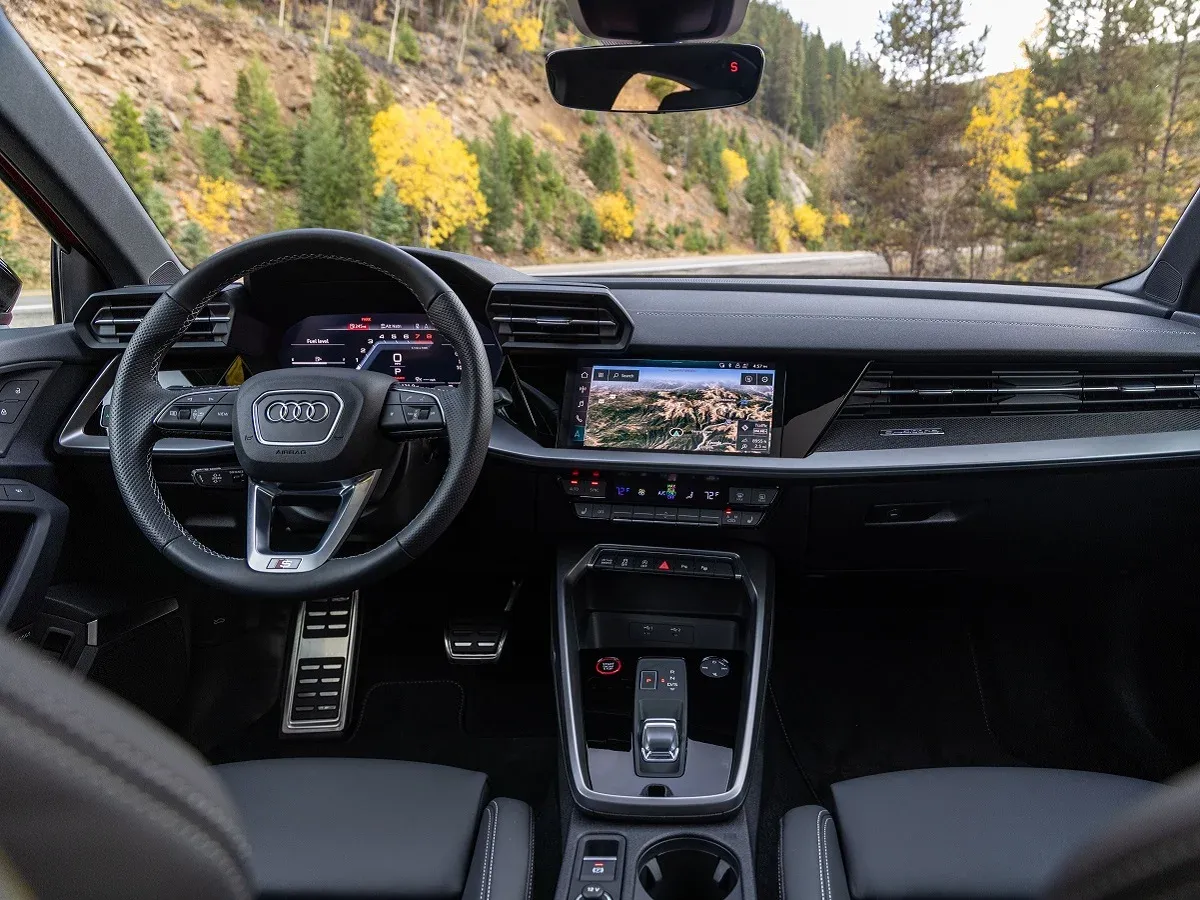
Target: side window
(25, 248)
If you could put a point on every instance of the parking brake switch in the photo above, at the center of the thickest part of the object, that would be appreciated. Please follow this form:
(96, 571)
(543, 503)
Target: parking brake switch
(660, 718)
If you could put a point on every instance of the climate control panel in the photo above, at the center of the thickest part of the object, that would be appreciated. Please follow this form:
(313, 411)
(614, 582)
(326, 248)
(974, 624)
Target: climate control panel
(667, 499)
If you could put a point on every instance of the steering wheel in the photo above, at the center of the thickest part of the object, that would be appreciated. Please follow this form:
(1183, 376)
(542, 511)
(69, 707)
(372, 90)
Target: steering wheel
(305, 433)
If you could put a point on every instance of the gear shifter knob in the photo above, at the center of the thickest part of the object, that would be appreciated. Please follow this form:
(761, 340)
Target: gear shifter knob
(660, 740)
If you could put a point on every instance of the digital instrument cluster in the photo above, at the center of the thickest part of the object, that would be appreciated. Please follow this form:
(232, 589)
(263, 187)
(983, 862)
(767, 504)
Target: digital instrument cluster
(404, 346)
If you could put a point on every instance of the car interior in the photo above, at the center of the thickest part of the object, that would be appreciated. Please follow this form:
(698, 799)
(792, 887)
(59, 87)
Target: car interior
(324, 572)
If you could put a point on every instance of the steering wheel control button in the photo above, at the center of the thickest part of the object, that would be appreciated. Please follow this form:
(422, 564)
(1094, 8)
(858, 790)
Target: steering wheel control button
(219, 418)
(17, 390)
(714, 667)
(608, 665)
(10, 410)
(599, 868)
(220, 478)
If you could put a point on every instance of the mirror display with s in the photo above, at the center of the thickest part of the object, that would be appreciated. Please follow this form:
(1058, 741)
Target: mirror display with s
(655, 78)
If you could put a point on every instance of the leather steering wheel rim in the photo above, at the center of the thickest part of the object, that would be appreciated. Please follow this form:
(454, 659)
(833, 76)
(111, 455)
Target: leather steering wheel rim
(137, 399)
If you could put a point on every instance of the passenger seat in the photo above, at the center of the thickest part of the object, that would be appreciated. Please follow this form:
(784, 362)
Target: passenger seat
(980, 833)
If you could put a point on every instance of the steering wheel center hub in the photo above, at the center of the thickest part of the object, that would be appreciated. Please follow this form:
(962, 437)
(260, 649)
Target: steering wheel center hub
(297, 426)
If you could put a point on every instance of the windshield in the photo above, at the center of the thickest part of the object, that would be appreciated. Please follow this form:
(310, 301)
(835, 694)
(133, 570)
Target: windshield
(1031, 140)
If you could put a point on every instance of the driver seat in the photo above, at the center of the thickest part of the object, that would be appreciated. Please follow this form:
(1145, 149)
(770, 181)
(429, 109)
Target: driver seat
(98, 801)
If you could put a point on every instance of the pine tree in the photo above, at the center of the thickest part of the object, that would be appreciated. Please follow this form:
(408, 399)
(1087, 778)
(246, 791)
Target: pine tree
(266, 146)
(590, 235)
(760, 208)
(337, 170)
(216, 159)
(128, 143)
(600, 162)
(158, 132)
(391, 220)
(497, 167)
(908, 184)
(1093, 109)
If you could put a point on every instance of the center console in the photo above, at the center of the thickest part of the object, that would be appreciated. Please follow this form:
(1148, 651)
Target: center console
(662, 658)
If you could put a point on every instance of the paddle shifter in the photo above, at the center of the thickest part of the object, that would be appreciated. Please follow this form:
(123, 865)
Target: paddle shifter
(660, 717)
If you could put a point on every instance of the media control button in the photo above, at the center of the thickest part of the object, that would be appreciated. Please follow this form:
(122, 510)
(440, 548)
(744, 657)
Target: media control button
(17, 390)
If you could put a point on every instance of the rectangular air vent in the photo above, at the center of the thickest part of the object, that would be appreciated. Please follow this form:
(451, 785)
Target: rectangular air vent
(913, 393)
(557, 316)
(109, 318)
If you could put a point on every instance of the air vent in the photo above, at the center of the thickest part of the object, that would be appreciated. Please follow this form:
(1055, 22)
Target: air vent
(913, 393)
(109, 318)
(557, 316)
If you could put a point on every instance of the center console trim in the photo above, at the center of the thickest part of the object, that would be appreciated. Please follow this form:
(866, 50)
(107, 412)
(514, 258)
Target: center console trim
(567, 648)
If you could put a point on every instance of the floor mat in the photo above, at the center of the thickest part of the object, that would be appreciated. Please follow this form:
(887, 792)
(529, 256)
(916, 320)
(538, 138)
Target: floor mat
(859, 691)
(425, 721)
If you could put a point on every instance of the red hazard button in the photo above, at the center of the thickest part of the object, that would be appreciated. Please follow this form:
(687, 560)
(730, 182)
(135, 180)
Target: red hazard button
(664, 565)
(608, 665)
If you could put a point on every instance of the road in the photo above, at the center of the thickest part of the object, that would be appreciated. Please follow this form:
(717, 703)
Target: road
(33, 307)
(847, 264)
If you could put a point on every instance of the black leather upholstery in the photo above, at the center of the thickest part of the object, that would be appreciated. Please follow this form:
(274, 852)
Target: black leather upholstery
(973, 832)
(98, 802)
(379, 828)
(810, 856)
(502, 865)
(1152, 852)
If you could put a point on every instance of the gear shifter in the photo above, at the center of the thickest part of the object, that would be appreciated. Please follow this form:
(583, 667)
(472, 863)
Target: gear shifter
(660, 717)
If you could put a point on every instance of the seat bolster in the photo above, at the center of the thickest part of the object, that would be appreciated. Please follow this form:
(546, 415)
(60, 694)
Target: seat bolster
(502, 864)
(810, 856)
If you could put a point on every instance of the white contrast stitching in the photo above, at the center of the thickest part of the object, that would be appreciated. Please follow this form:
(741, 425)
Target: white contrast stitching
(529, 867)
(782, 883)
(828, 883)
(490, 853)
(820, 859)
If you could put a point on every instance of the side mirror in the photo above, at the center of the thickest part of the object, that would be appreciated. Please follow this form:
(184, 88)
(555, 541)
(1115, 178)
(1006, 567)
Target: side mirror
(10, 290)
(655, 77)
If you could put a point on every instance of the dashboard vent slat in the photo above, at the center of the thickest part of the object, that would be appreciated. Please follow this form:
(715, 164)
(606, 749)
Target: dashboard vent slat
(557, 316)
(913, 392)
(114, 318)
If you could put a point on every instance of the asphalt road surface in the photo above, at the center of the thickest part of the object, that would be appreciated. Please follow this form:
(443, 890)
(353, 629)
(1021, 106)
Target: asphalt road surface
(33, 307)
(849, 264)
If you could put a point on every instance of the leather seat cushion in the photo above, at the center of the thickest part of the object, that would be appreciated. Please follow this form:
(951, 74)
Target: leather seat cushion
(971, 832)
(357, 827)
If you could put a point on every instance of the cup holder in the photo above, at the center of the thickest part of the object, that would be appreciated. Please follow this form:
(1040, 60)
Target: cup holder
(688, 868)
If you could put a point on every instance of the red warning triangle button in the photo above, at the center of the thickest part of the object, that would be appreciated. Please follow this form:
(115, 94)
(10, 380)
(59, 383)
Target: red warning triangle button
(664, 566)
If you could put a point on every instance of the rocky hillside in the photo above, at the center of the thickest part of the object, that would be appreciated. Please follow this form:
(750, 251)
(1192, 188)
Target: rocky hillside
(183, 58)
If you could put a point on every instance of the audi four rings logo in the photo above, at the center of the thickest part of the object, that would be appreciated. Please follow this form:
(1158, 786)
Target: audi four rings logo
(297, 411)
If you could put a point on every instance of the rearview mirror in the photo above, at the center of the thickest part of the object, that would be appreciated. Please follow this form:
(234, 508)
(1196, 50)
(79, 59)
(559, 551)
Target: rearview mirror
(655, 77)
(10, 290)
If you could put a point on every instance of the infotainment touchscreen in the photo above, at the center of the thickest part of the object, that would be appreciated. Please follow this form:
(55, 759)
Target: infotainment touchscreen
(678, 407)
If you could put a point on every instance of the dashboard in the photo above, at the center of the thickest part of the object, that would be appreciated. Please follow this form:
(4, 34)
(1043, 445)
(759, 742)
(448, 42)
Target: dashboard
(405, 346)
